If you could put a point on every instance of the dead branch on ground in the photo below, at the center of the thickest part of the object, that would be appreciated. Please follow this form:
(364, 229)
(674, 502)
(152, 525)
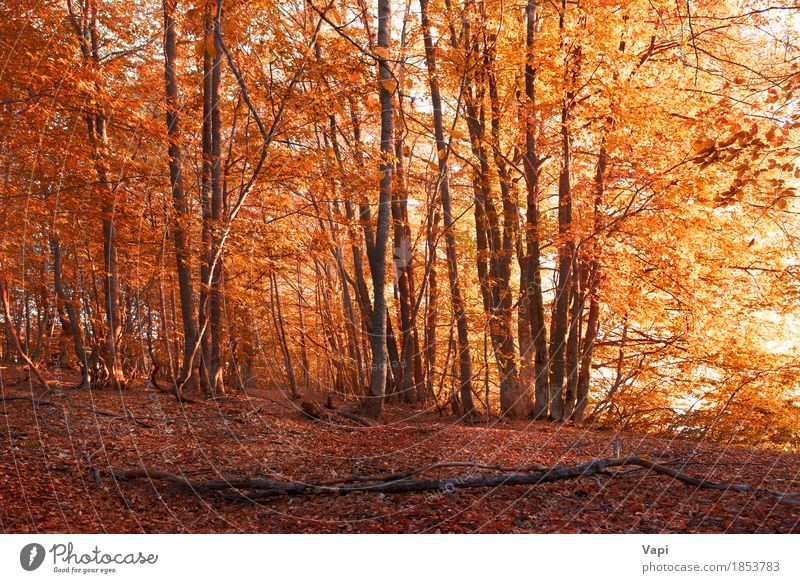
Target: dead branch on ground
(400, 482)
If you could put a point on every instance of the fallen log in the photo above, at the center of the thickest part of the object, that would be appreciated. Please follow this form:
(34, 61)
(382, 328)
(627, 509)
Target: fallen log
(263, 488)
(416, 471)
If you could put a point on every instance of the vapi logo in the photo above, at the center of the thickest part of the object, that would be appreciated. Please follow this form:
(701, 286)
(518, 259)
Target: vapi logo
(31, 556)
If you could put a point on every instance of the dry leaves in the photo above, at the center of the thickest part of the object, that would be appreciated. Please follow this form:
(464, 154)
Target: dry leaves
(54, 454)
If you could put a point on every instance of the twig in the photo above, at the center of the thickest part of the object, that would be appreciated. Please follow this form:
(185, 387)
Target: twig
(101, 413)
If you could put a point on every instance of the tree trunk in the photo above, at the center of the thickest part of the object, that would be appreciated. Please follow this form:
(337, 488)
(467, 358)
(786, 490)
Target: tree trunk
(565, 251)
(338, 255)
(179, 229)
(573, 340)
(98, 138)
(72, 315)
(373, 402)
(593, 286)
(432, 304)
(205, 200)
(566, 243)
(302, 324)
(467, 404)
(527, 369)
(111, 263)
(412, 388)
(494, 241)
(513, 395)
(216, 366)
(280, 332)
(394, 365)
(359, 282)
(11, 332)
(533, 292)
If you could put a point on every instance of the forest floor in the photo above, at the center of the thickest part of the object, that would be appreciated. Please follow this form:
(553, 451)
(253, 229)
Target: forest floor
(59, 452)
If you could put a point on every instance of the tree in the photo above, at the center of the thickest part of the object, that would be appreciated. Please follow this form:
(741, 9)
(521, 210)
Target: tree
(182, 247)
(377, 261)
(614, 204)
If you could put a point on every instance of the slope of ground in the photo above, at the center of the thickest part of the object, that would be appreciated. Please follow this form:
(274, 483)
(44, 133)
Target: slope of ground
(58, 452)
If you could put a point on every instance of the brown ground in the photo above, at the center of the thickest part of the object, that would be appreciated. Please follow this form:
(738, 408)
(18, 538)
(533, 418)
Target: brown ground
(56, 460)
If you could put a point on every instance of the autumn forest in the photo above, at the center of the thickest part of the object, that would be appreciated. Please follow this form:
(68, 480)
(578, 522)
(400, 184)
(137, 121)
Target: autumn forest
(551, 238)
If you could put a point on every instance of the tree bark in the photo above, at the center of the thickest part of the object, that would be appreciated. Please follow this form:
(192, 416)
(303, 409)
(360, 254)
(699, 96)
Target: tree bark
(72, 315)
(179, 228)
(373, 402)
(216, 366)
(577, 296)
(467, 404)
(532, 163)
(205, 200)
(513, 395)
(593, 286)
(432, 303)
(494, 241)
(86, 27)
(566, 243)
(302, 329)
(344, 279)
(280, 332)
(412, 387)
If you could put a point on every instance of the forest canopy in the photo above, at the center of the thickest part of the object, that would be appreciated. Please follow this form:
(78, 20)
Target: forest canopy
(583, 211)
